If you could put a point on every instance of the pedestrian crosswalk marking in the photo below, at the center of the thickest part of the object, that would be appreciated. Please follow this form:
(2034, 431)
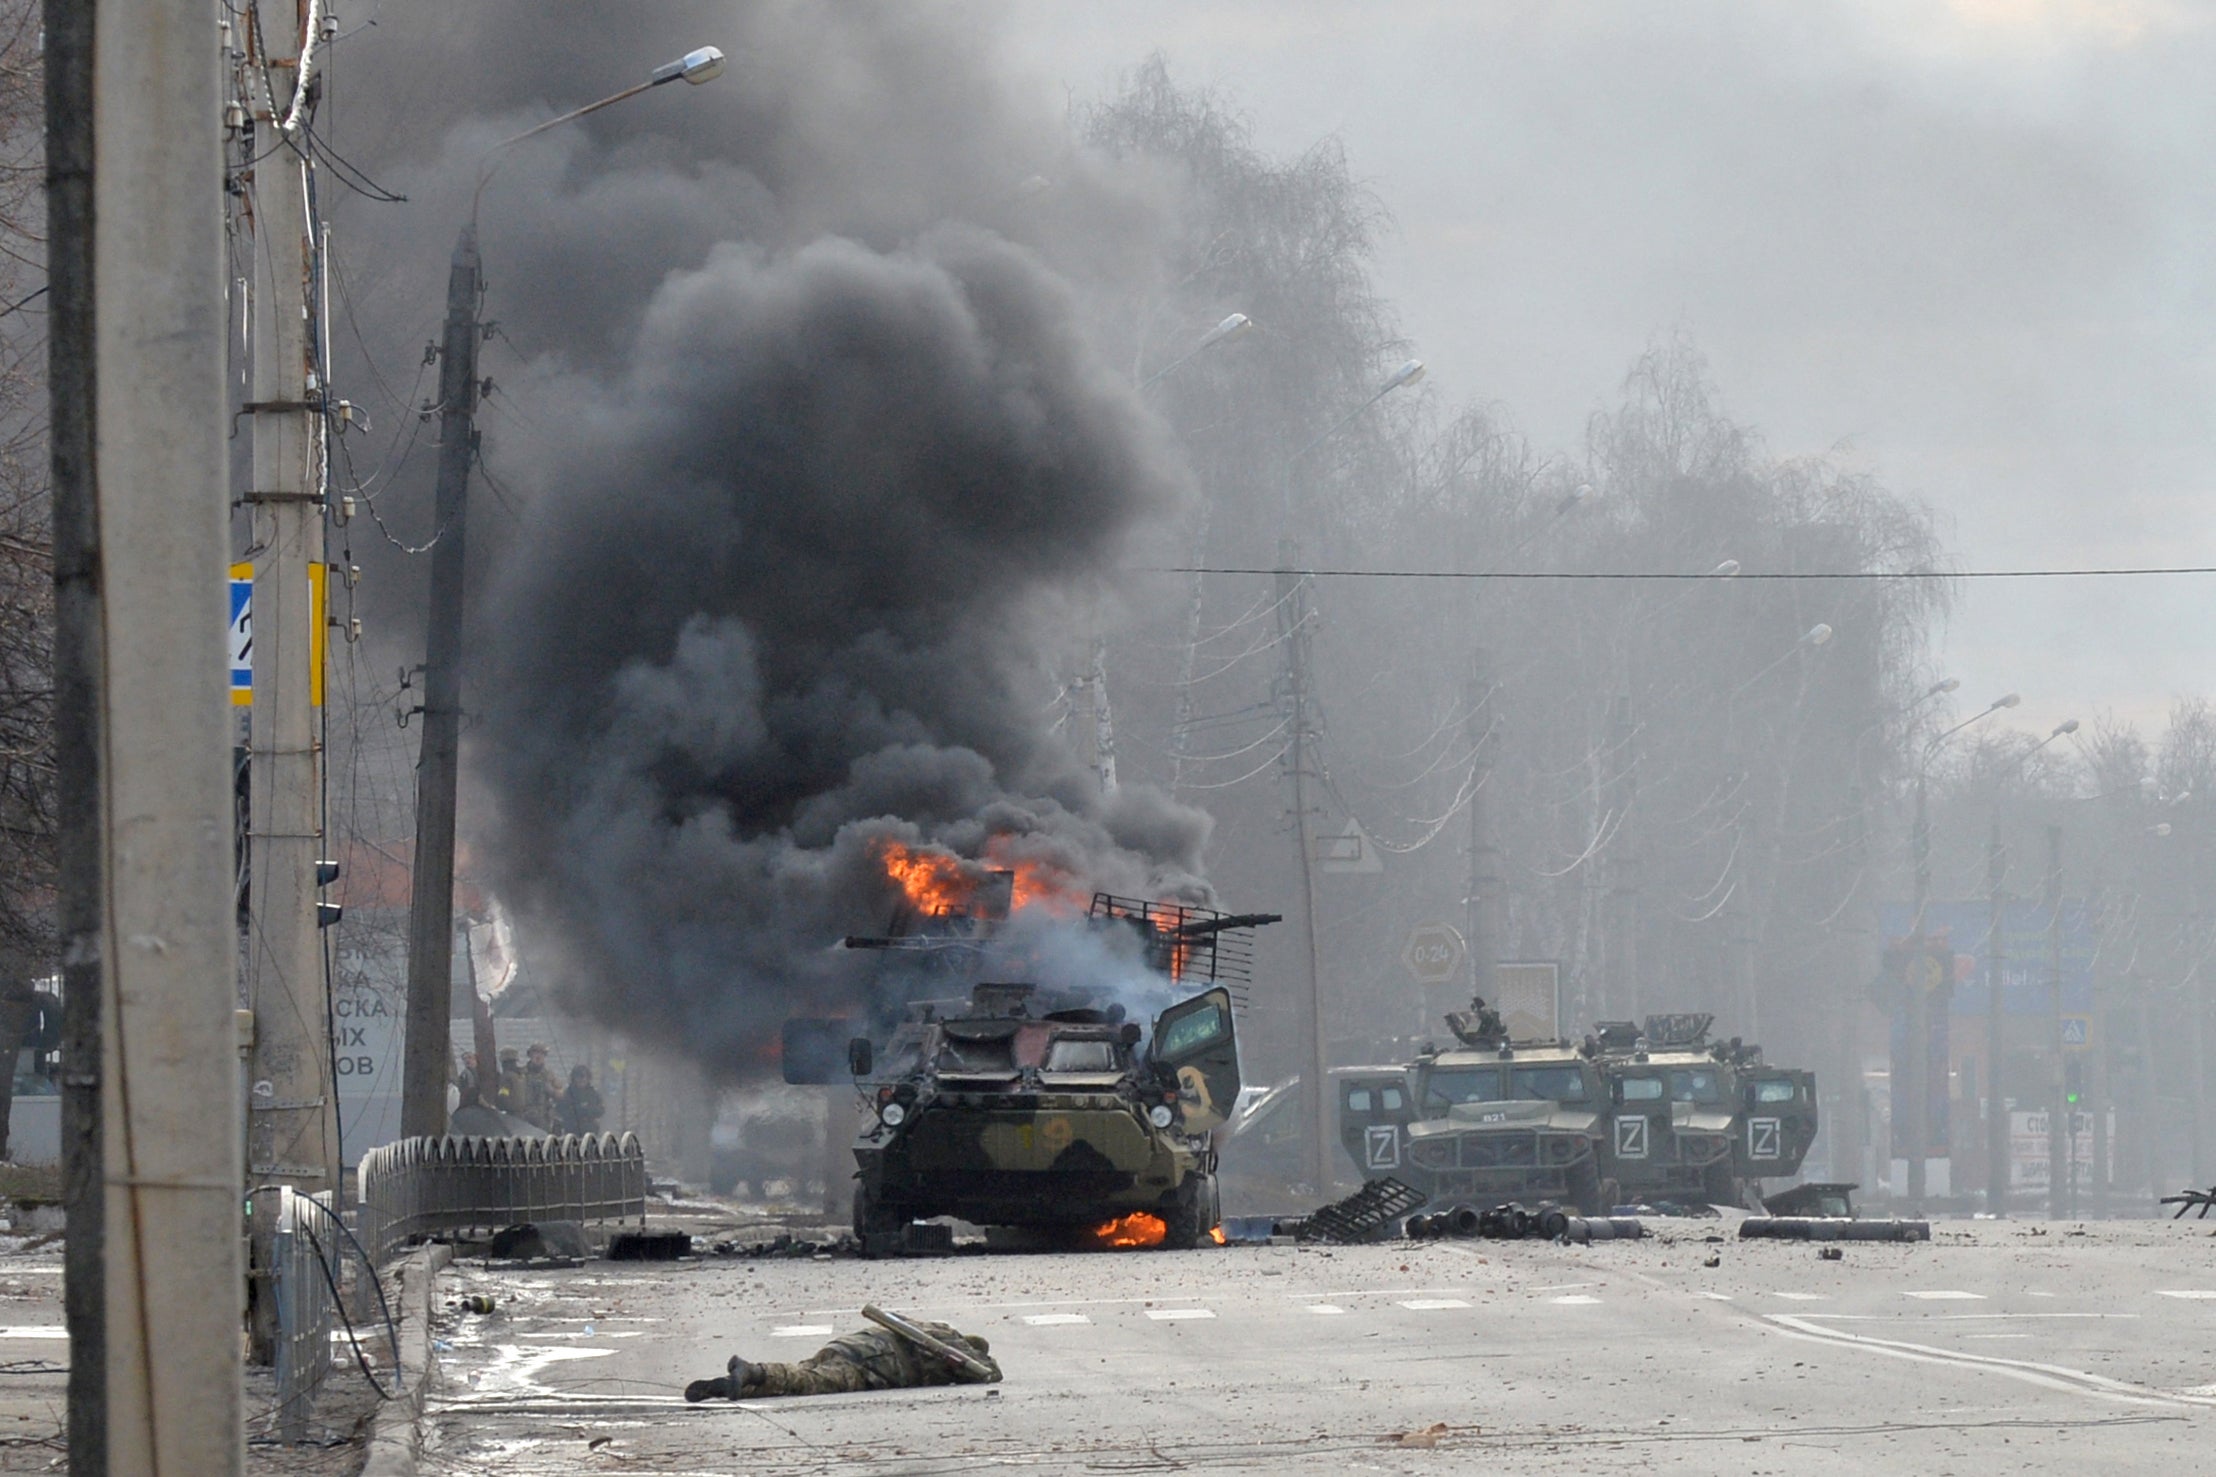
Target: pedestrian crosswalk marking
(1575, 1299)
(1947, 1295)
(1720, 1297)
(1166, 1315)
(1324, 1308)
(1049, 1320)
(1432, 1305)
(1804, 1297)
(2194, 1294)
(801, 1331)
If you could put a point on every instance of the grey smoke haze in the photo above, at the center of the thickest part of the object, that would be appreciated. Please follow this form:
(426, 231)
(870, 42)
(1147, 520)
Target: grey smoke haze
(819, 469)
(1963, 239)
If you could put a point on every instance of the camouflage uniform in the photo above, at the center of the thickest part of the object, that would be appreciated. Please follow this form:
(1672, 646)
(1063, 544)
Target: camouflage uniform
(872, 1359)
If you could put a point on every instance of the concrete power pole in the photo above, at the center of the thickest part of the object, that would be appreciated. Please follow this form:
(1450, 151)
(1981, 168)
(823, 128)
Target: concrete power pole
(1996, 1035)
(2061, 1161)
(1623, 868)
(1295, 623)
(292, 1102)
(1481, 907)
(431, 904)
(1912, 1099)
(149, 941)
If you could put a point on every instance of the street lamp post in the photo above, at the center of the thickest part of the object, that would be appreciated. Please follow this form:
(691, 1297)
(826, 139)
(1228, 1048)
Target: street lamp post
(1996, 871)
(431, 901)
(1917, 1094)
(1296, 624)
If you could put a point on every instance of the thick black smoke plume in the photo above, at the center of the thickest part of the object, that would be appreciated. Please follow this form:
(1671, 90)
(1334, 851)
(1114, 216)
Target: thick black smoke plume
(788, 586)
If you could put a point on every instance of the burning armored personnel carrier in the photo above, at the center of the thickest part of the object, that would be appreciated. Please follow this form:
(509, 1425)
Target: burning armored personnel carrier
(1043, 1104)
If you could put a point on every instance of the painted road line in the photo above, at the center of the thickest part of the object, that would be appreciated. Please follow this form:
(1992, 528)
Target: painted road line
(2192, 1294)
(1324, 1308)
(1565, 1286)
(1432, 1305)
(35, 1331)
(1054, 1320)
(801, 1331)
(1947, 1295)
(1575, 1299)
(1173, 1315)
(1714, 1297)
(1803, 1297)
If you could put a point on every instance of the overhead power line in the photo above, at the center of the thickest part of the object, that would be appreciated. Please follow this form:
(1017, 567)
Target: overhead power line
(1708, 575)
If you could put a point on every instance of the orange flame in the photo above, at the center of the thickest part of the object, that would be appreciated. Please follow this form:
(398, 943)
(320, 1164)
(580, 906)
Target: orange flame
(1215, 1234)
(933, 880)
(1139, 1228)
(1039, 883)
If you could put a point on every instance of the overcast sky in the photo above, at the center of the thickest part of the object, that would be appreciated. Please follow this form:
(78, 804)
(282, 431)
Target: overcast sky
(1963, 243)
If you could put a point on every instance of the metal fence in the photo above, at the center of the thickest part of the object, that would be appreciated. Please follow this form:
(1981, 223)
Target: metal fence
(452, 1184)
(304, 1267)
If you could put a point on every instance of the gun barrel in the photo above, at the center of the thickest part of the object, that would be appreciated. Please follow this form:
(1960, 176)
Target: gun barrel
(961, 1359)
(1218, 925)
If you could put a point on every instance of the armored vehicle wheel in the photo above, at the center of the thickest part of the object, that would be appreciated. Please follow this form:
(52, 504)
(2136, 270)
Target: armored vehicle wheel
(1584, 1188)
(1192, 1215)
(874, 1219)
(1719, 1186)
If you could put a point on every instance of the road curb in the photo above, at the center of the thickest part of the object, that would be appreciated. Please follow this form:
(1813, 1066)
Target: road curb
(396, 1435)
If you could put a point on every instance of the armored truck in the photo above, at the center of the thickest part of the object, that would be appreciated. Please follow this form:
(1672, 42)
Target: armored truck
(1486, 1121)
(1692, 1119)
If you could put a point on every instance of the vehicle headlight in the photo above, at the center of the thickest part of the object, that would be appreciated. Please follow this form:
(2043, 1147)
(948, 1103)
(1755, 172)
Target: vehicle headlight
(892, 1115)
(1161, 1115)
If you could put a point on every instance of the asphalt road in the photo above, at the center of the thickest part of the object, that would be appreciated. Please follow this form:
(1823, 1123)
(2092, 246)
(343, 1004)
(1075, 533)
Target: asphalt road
(1999, 1347)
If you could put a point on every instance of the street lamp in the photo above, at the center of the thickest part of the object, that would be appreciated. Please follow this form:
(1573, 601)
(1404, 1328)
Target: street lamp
(1996, 869)
(1815, 636)
(1920, 987)
(1236, 326)
(431, 901)
(1300, 747)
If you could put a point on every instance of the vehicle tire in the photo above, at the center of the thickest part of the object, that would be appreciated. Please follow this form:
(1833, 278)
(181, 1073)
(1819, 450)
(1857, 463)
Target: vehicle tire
(873, 1218)
(1192, 1214)
(1719, 1186)
(1584, 1188)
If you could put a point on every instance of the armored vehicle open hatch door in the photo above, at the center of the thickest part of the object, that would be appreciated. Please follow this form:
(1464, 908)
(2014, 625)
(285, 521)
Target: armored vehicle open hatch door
(1375, 1109)
(1194, 1046)
(1778, 1108)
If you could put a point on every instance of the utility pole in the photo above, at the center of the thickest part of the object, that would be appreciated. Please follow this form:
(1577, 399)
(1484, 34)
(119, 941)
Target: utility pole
(291, 1103)
(431, 902)
(1996, 1101)
(2061, 1139)
(1295, 624)
(1481, 909)
(147, 917)
(1624, 868)
(1915, 1095)
(1096, 731)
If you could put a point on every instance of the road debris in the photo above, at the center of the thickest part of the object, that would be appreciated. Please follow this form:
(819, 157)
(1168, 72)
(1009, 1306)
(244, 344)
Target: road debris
(1830, 1228)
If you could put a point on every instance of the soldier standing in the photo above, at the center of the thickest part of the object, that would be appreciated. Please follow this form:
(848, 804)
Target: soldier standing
(873, 1359)
(508, 1096)
(579, 1109)
(537, 1102)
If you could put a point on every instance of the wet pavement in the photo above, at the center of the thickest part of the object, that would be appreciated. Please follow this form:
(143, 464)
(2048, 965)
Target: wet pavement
(2009, 1346)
